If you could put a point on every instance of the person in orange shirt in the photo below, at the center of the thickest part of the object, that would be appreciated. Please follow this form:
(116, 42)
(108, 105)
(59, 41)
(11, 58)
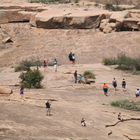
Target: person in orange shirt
(105, 89)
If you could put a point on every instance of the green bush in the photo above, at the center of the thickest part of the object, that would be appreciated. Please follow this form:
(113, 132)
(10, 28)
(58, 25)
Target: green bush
(125, 104)
(111, 7)
(124, 62)
(89, 75)
(110, 61)
(26, 64)
(31, 79)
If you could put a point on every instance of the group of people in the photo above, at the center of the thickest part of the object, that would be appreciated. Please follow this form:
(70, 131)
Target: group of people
(72, 57)
(114, 84)
(46, 62)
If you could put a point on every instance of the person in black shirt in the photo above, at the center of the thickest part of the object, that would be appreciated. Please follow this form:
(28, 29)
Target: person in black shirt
(124, 84)
(75, 76)
(48, 107)
(114, 83)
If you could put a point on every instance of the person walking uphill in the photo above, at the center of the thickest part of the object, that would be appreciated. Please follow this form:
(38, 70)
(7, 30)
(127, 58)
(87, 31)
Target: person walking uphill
(75, 76)
(105, 89)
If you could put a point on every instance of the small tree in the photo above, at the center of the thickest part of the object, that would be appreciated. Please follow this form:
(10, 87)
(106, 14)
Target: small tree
(31, 79)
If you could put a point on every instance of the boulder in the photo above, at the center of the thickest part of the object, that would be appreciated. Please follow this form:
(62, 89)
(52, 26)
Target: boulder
(103, 24)
(107, 29)
(5, 90)
(131, 24)
(7, 40)
(65, 19)
(7, 16)
(119, 16)
(5, 37)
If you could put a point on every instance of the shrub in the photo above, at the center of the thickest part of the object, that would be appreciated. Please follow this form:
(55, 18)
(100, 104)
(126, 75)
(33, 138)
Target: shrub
(76, 1)
(26, 64)
(124, 62)
(89, 75)
(125, 104)
(112, 7)
(31, 79)
(110, 61)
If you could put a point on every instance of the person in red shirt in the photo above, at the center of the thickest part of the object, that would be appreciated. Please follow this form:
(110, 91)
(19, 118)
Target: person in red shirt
(105, 89)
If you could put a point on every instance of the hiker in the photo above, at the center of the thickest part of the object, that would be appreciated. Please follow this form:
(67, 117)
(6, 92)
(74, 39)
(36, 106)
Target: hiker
(55, 64)
(48, 108)
(83, 123)
(137, 93)
(45, 64)
(70, 56)
(114, 84)
(105, 89)
(73, 58)
(75, 76)
(124, 84)
(22, 92)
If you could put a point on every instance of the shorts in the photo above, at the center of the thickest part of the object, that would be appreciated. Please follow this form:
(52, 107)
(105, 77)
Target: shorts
(105, 90)
(123, 86)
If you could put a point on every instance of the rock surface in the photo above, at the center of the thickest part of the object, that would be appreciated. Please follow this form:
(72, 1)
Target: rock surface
(5, 90)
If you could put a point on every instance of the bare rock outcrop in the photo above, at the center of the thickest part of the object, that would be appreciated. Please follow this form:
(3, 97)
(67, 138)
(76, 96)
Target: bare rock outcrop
(121, 21)
(18, 13)
(72, 19)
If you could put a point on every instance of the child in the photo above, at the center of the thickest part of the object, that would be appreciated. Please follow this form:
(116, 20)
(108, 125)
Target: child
(83, 123)
(21, 92)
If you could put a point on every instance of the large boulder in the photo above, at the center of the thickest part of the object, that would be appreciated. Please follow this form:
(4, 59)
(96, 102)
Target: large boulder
(53, 19)
(5, 90)
(119, 16)
(131, 24)
(13, 15)
(107, 29)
